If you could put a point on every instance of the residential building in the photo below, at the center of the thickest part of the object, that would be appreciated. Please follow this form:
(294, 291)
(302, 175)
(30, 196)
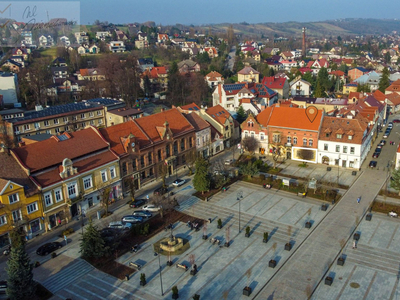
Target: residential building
(73, 172)
(121, 115)
(151, 147)
(285, 133)
(20, 202)
(213, 79)
(278, 84)
(344, 142)
(300, 87)
(102, 35)
(350, 88)
(9, 89)
(92, 74)
(188, 66)
(248, 74)
(60, 118)
(356, 73)
(393, 88)
(81, 37)
(328, 105)
(203, 134)
(117, 46)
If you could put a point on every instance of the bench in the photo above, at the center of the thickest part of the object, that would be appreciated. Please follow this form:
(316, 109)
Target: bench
(301, 194)
(135, 265)
(182, 266)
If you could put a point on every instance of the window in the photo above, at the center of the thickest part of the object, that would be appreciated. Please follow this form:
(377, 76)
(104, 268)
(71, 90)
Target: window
(16, 214)
(66, 128)
(3, 220)
(167, 150)
(262, 136)
(198, 141)
(57, 130)
(72, 190)
(112, 172)
(142, 161)
(352, 150)
(295, 141)
(350, 137)
(133, 164)
(92, 122)
(326, 147)
(304, 142)
(55, 121)
(46, 123)
(76, 126)
(190, 143)
(182, 145)
(13, 198)
(246, 134)
(48, 200)
(73, 118)
(91, 114)
(289, 139)
(48, 131)
(58, 195)
(339, 136)
(276, 138)
(159, 155)
(99, 112)
(124, 169)
(150, 158)
(344, 149)
(252, 134)
(87, 182)
(337, 148)
(100, 121)
(82, 116)
(104, 176)
(37, 125)
(310, 142)
(65, 119)
(16, 129)
(32, 207)
(83, 125)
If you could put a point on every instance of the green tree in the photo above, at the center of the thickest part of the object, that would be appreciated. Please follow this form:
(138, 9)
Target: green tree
(318, 90)
(241, 115)
(249, 169)
(395, 180)
(323, 78)
(20, 284)
(201, 180)
(92, 244)
(384, 82)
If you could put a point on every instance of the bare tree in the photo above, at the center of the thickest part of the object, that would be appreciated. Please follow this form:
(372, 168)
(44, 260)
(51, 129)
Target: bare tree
(250, 144)
(104, 193)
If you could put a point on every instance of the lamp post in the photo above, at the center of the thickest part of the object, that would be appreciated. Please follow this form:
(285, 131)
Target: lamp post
(338, 169)
(159, 266)
(239, 196)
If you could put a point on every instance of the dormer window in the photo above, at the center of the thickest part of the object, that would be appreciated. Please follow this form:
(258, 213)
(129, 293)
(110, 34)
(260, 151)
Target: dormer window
(350, 137)
(339, 135)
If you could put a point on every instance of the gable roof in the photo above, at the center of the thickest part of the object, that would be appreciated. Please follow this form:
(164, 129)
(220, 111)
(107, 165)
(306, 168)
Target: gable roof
(191, 107)
(53, 151)
(273, 82)
(197, 122)
(218, 113)
(354, 127)
(248, 70)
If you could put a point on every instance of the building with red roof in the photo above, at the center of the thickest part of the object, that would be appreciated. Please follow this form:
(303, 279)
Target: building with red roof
(71, 171)
(277, 84)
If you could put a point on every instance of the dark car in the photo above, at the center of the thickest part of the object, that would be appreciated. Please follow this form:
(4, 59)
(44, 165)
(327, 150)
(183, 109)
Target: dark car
(382, 143)
(3, 287)
(137, 203)
(160, 191)
(109, 235)
(376, 154)
(396, 121)
(48, 248)
(378, 150)
(372, 164)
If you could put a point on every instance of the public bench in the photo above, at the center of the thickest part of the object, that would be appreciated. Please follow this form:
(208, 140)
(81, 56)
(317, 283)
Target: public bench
(182, 266)
(135, 265)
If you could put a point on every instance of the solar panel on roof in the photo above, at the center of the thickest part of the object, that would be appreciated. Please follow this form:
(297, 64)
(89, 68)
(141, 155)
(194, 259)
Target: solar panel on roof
(62, 137)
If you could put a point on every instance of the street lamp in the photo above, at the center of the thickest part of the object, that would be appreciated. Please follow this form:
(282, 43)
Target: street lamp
(159, 266)
(239, 196)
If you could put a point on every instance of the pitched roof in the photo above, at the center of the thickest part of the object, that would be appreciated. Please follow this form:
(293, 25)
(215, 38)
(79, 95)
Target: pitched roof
(379, 95)
(218, 113)
(248, 70)
(11, 170)
(176, 122)
(191, 107)
(197, 122)
(289, 117)
(273, 82)
(344, 126)
(53, 151)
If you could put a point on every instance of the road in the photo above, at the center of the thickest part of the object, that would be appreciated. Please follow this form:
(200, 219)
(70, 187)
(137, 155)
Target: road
(231, 59)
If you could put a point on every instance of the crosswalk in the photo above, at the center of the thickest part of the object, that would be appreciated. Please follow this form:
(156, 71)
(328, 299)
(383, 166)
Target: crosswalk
(68, 275)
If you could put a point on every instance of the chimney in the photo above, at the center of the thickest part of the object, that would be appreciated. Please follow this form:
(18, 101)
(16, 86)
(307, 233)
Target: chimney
(303, 48)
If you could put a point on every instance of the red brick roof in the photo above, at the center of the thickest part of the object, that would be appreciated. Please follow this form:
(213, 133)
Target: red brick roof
(50, 152)
(273, 82)
(192, 106)
(289, 117)
(218, 113)
(197, 122)
(379, 95)
(247, 70)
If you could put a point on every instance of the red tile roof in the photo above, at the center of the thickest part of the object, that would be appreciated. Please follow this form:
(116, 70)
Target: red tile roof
(247, 70)
(193, 106)
(273, 82)
(289, 117)
(50, 152)
(197, 122)
(379, 95)
(218, 113)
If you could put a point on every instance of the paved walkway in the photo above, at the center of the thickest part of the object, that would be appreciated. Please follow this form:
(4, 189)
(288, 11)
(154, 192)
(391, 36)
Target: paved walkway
(309, 263)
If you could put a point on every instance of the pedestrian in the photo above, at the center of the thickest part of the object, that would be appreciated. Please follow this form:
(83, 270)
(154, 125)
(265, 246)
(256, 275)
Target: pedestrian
(358, 200)
(354, 245)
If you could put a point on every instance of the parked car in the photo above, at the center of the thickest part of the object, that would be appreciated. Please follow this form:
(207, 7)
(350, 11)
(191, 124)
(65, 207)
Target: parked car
(376, 154)
(48, 248)
(3, 287)
(160, 191)
(143, 214)
(396, 121)
(151, 207)
(382, 143)
(179, 182)
(137, 203)
(228, 162)
(120, 225)
(132, 219)
(386, 134)
(372, 164)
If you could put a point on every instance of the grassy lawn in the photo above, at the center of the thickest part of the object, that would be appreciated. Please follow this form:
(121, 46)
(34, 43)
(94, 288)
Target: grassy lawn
(52, 52)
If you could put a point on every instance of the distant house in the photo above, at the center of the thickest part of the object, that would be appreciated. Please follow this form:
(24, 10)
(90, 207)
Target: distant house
(82, 37)
(300, 87)
(64, 41)
(356, 73)
(213, 79)
(90, 74)
(12, 65)
(211, 51)
(117, 46)
(9, 88)
(162, 38)
(141, 44)
(146, 63)
(279, 85)
(188, 66)
(102, 35)
(248, 74)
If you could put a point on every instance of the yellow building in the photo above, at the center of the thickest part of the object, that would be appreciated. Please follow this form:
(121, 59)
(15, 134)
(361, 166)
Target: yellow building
(350, 87)
(20, 201)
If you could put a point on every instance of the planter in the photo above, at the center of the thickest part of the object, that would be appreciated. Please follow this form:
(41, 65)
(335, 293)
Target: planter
(265, 241)
(308, 224)
(193, 272)
(288, 246)
(142, 283)
(328, 281)
(226, 244)
(175, 296)
(205, 237)
(247, 291)
(272, 263)
(169, 263)
(356, 236)
(368, 217)
(354, 173)
(340, 261)
(247, 235)
(324, 207)
(329, 168)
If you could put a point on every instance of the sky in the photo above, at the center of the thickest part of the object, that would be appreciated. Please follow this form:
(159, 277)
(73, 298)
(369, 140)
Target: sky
(196, 12)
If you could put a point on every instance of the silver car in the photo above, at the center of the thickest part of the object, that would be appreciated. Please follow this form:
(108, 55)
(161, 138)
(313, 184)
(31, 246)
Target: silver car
(132, 219)
(142, 213)
(120, 225)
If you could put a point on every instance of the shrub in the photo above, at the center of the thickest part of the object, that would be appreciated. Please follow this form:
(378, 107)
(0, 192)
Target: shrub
(37, 264)
(70, 230)
(279, 182)
(174, 290)
(266, 236)
(219, 223)
(53, 255)
(262, 177)
(142, 277)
